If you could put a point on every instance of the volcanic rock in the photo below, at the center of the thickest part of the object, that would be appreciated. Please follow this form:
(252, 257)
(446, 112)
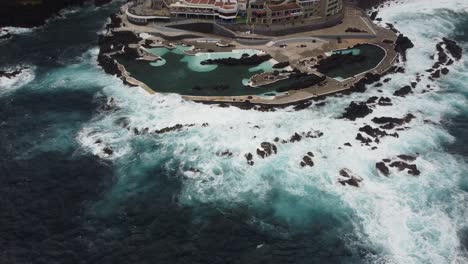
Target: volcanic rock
(266, 149)
(5, 36)
(169, 129)
(403, 91)
(402, 44)
(356, 110)
(280, 65)
(249, 158)
(11, 74)
(453, 48)
(251, 60)
(307, 161)
(406, 157)
(412, 169)
(385, 101)
(108, 150)
(391, 122)
(347, 178)
(363, 139)
(375, 132)
(382, 168)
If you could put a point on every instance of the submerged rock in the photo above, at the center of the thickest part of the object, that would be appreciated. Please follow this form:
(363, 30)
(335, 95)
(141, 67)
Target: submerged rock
(176, 127)
(406, 157)
(108, 150)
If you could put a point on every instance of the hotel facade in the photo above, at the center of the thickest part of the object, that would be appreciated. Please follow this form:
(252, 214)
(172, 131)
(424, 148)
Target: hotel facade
(252, 12)
(271, 12)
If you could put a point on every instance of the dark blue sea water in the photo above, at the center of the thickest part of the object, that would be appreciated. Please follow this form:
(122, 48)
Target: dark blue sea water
(171, 198)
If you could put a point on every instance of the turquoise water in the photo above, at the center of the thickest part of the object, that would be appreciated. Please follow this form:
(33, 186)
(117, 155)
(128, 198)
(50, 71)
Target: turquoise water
(348, 51)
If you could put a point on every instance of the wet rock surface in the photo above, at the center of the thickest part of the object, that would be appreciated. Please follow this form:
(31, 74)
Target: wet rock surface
(401, 163)
(454, 49)
(281, 64)
(307, 160)
(11, 74)
(403, 91)
(266, 149)
(348, 178)
(369, 78)
(444, 48)
(249, 158)
(382, 168)
(392, 122)
(376, 132)
(412, 169)
(362, 139)
(402, 44)
(225, 153)
(356, 110)
(5, 35)
(115, 43)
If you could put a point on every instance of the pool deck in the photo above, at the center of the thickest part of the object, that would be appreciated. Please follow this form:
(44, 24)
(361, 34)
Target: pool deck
(316, 43)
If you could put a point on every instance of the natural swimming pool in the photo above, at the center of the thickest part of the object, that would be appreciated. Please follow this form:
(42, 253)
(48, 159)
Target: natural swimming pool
(184, 74)
(369, 57)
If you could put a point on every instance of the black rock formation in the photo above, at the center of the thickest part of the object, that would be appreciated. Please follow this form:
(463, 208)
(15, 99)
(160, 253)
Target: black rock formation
(281, 64)
(244, 60)
(347, 178)
(266, 149)
(453, 48)
(402, 44)
(11, 74)
(382, 168)
(356, 110)
(405, 90)
(412, 168)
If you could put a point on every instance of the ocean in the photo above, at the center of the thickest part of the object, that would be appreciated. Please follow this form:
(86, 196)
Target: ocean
(189, 196)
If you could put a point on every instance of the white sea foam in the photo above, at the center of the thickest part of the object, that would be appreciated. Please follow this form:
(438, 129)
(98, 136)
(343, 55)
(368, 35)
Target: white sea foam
(17, 30)
(411, 219)
(8, 85)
